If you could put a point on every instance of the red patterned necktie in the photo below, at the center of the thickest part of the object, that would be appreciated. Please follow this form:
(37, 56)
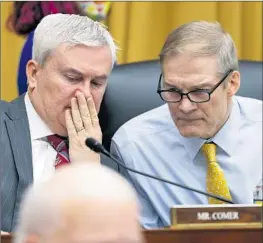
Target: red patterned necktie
(61, 146)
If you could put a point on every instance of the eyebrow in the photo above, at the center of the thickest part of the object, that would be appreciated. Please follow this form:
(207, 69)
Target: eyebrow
(79, 73)
(74, 71)
(196, 86)
(102, 77)
(202, 85)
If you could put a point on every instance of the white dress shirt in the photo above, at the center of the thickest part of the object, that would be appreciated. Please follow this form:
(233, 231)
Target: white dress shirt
(43, 154)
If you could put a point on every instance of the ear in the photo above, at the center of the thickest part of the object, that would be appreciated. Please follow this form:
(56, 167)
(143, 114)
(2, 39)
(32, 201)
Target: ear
(233, 83)
(32, 69)
(32, 239)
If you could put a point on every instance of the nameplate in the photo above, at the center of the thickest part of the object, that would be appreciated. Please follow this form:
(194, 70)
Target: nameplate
(216, 215)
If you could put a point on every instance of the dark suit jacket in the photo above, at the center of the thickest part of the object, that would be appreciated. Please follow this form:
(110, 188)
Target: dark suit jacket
(16, 160)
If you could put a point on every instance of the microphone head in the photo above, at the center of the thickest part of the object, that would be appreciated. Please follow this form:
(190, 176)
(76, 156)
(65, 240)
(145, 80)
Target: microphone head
(94, 145)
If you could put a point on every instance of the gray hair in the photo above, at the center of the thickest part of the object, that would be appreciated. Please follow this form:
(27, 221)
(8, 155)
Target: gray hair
(41, 209)
(56, 29)
(201, 38)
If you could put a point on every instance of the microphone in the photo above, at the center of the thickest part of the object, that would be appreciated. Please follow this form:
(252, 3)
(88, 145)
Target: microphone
(97, 147)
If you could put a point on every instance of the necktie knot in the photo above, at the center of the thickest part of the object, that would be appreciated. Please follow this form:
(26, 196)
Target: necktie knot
(57, 142)
(209, 151)
(61, 146)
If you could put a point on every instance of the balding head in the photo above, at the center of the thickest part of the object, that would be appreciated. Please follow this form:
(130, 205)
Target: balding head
(81, 203)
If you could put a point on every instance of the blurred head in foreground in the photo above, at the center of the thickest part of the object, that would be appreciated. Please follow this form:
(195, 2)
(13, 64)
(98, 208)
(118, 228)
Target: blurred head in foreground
(81, 203)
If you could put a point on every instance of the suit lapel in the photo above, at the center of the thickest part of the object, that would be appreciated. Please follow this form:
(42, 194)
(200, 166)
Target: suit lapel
(19, 134)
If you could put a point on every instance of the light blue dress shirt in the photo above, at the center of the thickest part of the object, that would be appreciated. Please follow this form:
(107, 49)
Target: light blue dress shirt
(152, 144)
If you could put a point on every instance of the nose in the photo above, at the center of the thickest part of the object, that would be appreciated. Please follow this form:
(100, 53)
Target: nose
(187, 106)
(85, 89)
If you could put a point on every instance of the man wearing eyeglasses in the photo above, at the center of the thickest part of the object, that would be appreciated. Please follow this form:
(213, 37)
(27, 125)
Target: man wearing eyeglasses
(204, 136)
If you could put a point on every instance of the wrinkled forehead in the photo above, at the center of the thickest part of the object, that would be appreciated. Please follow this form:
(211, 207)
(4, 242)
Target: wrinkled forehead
(74, 51)
(188, 67)
(186, 64)
(97, 59)
(188, 70)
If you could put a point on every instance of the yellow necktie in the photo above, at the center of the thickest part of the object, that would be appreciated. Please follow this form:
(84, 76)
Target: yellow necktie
(215, 181)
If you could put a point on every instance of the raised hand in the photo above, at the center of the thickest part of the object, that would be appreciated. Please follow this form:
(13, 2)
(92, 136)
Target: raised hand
(82, 122)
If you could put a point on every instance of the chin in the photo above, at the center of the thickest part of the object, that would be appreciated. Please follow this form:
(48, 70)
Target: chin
(190, 134)
(63, 134)
(189, 131)
(61, 131)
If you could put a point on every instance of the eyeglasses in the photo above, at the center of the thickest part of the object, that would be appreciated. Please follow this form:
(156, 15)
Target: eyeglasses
(173, 95)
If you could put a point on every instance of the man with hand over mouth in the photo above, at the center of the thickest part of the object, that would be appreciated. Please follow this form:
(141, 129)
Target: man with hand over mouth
(71, 61)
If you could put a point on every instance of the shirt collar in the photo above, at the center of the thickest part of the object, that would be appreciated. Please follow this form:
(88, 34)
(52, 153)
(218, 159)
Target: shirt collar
(38, 128)
(192, 145)
(225, 137)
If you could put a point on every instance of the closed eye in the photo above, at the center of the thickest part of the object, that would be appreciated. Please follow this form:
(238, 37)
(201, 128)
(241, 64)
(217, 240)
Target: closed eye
(201, 90)
(97, 83)
(74, 79)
